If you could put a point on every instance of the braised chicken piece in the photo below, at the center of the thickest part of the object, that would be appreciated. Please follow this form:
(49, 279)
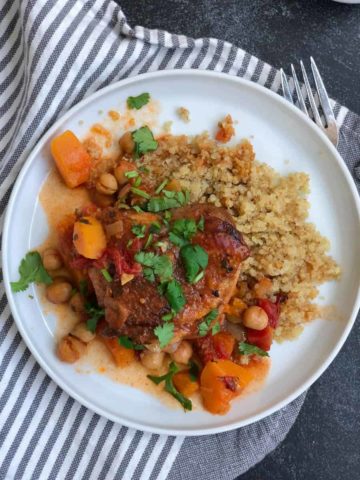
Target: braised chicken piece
(137, 307)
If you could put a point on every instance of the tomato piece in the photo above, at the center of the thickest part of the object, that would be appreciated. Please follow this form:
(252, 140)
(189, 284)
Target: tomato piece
(215, 347)
(224, 344)
(260, 338)
(272, 310)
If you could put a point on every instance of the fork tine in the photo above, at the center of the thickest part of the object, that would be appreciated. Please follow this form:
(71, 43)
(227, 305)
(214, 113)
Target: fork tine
(311, 97)
(298, 91)
(285, 86)
(324, 98)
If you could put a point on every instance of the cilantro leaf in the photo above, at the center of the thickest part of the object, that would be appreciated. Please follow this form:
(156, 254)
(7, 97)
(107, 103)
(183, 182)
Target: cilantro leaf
(248, 349)
(194, 258)
(175, 296)
(204, 326)
(139, 101)
(177, 240)
(139, 230)
(201, 224)
(156, 204)
(168, 201)
(164, 333)
(126, 342)
(169, 386)
(31, 270)
(159, 264)
(144, 141)
(95, 313)
(149, 274)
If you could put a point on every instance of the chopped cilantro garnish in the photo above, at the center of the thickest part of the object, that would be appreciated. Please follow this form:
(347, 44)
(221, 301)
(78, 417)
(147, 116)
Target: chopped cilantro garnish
(106, 275)
(140, 193)
(174, 295)
(164, 333)
(144, 169)
(167, 317)
(194, 258)
(95, 313)
(148, 241)
(169, 386)
(168, 201)
(248, 349)
(137, 182)
(131, 174)
(144, 141)
(198, 277)
(204, 326)
(139, 230)
(83, 287)
(181, 231)
(31, 269)
(161, 186)
(194, 371)
(139, 101)
(137, 209)
(129, 344)
(155, 227)
(216, 328)
(160, 265)
(201, 224)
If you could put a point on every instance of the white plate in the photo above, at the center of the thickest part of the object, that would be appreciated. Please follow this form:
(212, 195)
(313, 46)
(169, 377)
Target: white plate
(284, 139)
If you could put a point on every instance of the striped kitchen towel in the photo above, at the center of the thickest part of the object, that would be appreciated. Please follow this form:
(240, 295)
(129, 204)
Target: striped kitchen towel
(53, 54)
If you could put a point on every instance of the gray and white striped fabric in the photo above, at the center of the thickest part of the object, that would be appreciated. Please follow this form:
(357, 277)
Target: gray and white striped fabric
(53, 54)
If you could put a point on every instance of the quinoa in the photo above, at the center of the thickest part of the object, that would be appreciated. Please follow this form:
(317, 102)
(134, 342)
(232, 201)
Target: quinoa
(184, 114)
(270, 210)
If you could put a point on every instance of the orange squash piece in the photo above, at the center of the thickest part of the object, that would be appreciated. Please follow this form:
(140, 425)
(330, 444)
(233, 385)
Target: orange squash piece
(184, 384)
(71, 159)
(215, 382)
(89, 237)
(122, 356)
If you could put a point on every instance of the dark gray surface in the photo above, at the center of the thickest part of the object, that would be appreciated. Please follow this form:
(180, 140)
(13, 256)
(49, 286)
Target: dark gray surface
(324, 442)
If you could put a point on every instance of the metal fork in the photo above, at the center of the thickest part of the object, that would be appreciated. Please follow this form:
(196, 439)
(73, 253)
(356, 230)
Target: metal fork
(330, 128)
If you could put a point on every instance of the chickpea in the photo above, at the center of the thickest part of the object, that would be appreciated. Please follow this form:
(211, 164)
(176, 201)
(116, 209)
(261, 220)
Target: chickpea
(52, 259)
(152, 360)
(102, 200)
(70, 349)
(183, 353)
(59, 291)
(77, 303)
(126, 143)
(81, 332)
(256, 318)
(121, 169)
(106, 184)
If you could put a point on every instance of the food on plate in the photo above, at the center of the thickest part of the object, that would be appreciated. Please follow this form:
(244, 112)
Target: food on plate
(184, 114)
(189, 259)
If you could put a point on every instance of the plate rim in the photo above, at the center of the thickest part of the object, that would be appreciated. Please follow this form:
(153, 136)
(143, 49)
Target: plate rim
(7, 220)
